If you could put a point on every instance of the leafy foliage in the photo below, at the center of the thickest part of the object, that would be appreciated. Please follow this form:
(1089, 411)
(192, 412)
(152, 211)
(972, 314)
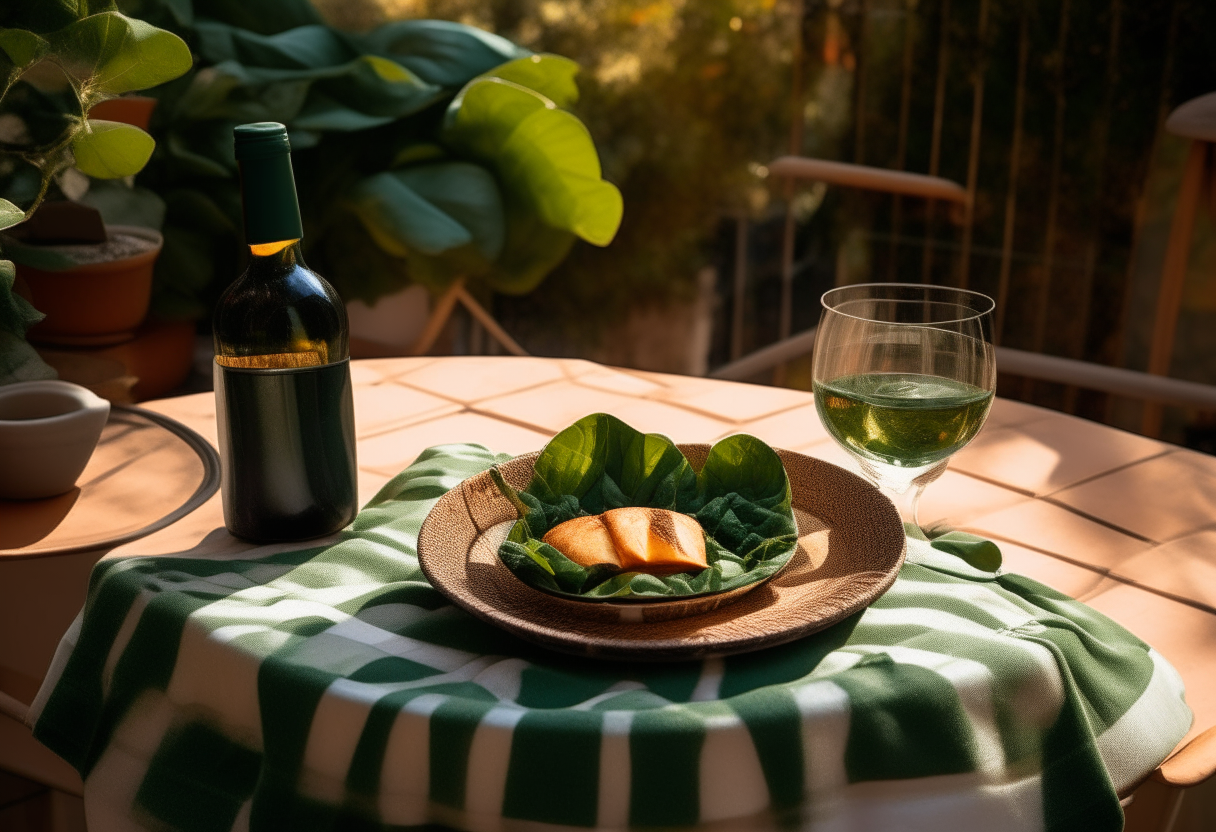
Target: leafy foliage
(423, 150)
(98, 53)
(18, 361)
(741, 497)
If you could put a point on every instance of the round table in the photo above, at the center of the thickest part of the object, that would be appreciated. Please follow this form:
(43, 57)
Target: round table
(1090, 510)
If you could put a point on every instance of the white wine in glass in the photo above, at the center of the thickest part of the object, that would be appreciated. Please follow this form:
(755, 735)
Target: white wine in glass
(904, 376)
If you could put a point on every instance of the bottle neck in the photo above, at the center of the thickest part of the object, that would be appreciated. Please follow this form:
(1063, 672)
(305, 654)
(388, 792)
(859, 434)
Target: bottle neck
(269, 202)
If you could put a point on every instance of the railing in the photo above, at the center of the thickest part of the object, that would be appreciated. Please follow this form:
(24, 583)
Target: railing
(1049, 115)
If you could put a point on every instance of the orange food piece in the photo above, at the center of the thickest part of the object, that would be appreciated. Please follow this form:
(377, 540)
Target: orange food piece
(656, 541)
(584, 540)
(651, 540)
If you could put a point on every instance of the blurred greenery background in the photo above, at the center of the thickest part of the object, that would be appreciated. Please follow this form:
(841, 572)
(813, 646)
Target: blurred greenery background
(1051, 110)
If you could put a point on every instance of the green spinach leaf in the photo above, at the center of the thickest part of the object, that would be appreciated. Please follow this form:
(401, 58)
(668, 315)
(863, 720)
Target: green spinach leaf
(741, 497)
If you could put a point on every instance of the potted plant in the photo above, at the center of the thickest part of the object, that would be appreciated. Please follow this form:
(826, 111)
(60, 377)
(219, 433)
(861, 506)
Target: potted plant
(427, 153)
(57, 63)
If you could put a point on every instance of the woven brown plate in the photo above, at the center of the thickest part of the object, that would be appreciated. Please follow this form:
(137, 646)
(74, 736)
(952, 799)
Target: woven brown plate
(850, 547)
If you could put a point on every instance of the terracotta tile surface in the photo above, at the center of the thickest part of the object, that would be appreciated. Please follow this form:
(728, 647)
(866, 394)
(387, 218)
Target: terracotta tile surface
(736, 402)
(476, 378)
(1185, 567)
(1161, 499)
(1046, 455)
(1183, 634)
(376, 370)
(680, 425)
(1007, 412)
(389, 453)
(829, 451)
(956, 500)
(615, 381)
(383, 405)
(1057, 530)
(791, 429)
(674, 384)
(1202, 463)
(1062, 576)
(557, 405)
(386, 369)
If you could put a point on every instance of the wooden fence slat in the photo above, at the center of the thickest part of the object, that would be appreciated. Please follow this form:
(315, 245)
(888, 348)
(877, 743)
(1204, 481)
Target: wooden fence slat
(1053, 199)
(935, 148)
(1015, 161)
(973, 152)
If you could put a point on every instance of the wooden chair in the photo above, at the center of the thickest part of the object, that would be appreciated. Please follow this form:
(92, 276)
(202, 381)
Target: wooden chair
(1195, 120)
(1153, 387)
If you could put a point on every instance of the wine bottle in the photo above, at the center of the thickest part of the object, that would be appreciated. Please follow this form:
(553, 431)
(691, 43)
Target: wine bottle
(282, 370)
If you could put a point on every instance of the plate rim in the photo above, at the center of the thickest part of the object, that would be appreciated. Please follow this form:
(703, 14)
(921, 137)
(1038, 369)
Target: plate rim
(588, 644)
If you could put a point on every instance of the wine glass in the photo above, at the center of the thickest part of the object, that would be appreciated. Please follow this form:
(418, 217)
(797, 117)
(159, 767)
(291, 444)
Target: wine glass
(904, 376)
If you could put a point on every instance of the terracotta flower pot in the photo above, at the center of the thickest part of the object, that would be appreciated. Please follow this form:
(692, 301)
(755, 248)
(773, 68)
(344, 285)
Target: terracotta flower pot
(135, 110)
(94, 303)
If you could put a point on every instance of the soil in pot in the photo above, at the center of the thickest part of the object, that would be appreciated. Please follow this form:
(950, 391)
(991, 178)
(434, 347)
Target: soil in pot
(98, 293)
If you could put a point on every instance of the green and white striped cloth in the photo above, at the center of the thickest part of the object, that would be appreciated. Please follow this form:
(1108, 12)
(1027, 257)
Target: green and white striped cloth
(334, 689)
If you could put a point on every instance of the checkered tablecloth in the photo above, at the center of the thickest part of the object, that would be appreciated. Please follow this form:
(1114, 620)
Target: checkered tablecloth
(333, 688)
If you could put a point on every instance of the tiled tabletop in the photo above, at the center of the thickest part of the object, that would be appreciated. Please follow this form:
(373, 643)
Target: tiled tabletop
(1125, 523)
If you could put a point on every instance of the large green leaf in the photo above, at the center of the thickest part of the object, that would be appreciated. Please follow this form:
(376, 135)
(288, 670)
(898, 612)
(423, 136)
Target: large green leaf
(111, 150)
(432, 210)
(532, 250)
(550, 75)
(201, 240)
(365, 92)
(10, 214)
(22, 48)
(741, 498)
(111, 53)
(305, 47)
(440, 52)
(43, 16)
(16, 314)
(18, 360)
(544, 155)
(264, 16)
(120, 205)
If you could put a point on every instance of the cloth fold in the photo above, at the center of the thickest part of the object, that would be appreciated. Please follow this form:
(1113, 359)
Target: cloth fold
(334, 688)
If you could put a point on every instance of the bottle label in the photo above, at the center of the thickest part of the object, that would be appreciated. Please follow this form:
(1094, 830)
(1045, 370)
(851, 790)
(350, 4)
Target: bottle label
(287, 447)
(275, 361)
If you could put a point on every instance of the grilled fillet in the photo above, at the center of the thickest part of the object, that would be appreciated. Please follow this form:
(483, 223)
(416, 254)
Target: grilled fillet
(585, 541)
(651, 540)
(655, 540)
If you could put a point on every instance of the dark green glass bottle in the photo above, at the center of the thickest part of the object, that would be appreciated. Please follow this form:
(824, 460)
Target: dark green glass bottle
(282, 368)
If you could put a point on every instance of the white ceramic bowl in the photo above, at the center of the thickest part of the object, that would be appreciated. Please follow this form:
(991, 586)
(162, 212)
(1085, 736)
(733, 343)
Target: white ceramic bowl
(48, 430)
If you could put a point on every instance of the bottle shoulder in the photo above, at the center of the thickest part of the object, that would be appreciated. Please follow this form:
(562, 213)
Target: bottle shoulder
(278, 309)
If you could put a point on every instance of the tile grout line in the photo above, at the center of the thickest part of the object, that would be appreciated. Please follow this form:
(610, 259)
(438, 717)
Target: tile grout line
(1098, 520)
(511, 420)
(1109, 573)
(471, 402)
(719, 417)
(1097, 570)
(997, 483)
(408, 422)
(1085, 481)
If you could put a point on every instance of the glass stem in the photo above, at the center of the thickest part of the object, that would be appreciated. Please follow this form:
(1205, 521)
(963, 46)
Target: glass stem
(907, 502)
(904, 492)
